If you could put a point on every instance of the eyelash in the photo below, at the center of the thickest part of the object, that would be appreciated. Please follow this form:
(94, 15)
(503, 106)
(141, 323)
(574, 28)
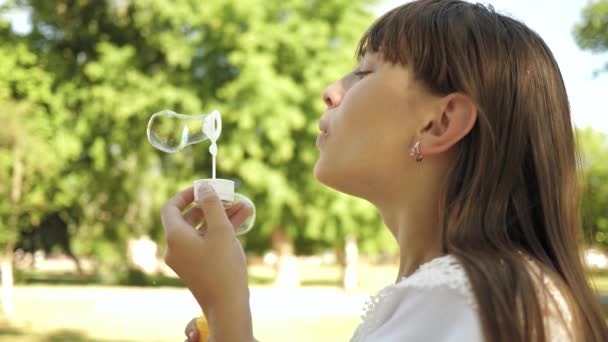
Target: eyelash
(360, 74)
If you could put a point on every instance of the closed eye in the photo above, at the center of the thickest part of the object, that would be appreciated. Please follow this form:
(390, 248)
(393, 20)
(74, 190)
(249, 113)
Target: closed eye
(360, 73)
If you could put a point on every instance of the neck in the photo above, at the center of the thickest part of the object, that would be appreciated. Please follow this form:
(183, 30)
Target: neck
(415, 226)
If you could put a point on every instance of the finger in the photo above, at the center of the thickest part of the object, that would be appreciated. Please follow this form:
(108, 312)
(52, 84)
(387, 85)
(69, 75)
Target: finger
(175, 205)
(234, 209)
(182, 199)
(239, 217)
(172, 219)
(191, 331)
(194, 216)
(212, 207)
(171, 213)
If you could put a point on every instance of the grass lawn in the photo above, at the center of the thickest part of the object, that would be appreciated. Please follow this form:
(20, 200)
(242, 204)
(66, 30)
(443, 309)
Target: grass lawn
(51, 311)
(600, 282)
(371, 278)
(119, 314)
(89, 313)
(333, 329)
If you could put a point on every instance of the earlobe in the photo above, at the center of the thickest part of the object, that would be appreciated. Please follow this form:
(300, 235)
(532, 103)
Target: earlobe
(456, 118)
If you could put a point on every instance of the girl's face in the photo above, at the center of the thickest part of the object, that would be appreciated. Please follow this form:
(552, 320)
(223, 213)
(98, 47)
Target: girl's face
(373, 116)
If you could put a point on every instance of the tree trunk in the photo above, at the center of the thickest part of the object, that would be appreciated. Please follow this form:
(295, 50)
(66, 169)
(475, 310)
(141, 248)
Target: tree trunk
(349, 265)
(7, 262)
(77, 263)
(7, 281)
(286, 268)
(67, 243)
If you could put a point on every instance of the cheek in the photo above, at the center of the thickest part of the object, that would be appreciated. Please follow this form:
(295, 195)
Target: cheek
(367, 139)
(341, 158)
(363, 134)
(372, 135)
(348, 159)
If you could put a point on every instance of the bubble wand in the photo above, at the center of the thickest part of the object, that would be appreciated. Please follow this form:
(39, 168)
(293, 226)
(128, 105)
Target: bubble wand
(161, 129)
(172, 132)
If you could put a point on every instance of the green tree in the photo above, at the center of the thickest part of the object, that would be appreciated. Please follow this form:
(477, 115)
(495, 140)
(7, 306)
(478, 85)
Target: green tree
(591, 33)
(262, 63)
(34, 146)
(594, 153)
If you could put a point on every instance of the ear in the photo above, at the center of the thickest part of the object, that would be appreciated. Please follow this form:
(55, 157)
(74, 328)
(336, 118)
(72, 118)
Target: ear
(453, 120)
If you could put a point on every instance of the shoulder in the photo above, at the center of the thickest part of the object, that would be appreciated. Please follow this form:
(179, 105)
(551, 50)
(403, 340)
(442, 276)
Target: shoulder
(435, 303)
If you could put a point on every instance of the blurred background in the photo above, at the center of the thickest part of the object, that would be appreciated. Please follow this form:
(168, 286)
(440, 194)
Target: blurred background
(82, 244)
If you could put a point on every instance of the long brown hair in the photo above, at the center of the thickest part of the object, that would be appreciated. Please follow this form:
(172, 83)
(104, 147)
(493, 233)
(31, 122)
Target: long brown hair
(513, 192)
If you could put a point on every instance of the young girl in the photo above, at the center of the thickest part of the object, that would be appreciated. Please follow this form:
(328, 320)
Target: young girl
(456, 126)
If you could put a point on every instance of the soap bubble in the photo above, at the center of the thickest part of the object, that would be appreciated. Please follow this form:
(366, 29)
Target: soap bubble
(248, 224)
(249, 221)
(171, 132)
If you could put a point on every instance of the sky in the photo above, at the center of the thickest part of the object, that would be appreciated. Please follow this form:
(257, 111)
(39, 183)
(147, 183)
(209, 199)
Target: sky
(553, 20)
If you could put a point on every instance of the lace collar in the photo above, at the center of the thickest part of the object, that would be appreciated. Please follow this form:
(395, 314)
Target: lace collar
(441, 271)
(447, 271)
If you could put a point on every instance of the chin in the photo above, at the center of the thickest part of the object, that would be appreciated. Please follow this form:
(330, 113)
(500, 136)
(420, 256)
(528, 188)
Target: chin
(319, 173)
(338, 180)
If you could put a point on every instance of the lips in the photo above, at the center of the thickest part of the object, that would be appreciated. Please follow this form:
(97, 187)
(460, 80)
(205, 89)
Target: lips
(323, 126)
(321, 138)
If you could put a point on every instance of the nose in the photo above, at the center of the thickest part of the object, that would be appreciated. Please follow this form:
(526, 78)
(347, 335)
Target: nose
(333, 94)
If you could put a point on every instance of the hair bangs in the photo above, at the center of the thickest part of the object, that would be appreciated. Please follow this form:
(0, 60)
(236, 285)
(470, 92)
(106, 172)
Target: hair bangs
(414, 35)
(391, 36)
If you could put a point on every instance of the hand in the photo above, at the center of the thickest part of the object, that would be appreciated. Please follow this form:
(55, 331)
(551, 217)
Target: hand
(192, 332)
(211, 263)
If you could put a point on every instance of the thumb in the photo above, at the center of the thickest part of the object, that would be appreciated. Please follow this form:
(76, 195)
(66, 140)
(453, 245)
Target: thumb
(212, 207)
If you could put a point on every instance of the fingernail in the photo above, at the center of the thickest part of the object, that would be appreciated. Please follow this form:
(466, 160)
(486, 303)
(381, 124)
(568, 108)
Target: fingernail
(191, 336)
(205, 190)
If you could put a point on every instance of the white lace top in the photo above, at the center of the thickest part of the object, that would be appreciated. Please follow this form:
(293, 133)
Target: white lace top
(436, 303)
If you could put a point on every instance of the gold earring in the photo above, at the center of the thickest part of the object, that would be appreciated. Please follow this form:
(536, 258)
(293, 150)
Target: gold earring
(415, 152)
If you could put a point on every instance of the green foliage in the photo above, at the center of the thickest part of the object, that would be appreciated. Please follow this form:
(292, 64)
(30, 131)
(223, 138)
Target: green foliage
(78, 90)
(594, 153)
(31, 137)
(591, 33)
